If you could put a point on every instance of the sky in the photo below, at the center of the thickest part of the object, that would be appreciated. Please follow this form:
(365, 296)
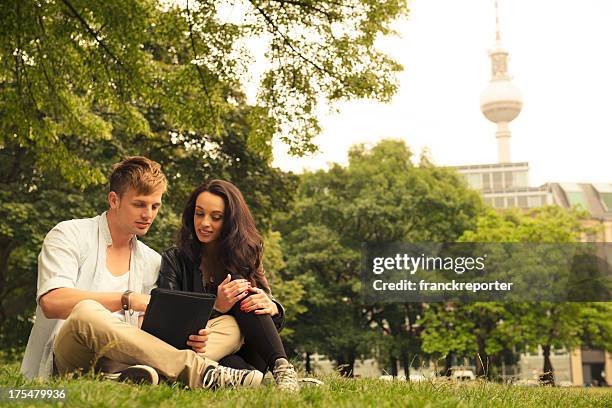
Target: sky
(560, 58)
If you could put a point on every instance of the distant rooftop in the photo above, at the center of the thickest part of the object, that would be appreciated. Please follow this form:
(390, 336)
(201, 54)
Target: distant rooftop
(506, 185)
(497, 166)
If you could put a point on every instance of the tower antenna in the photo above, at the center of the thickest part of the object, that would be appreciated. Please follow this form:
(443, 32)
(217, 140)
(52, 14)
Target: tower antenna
(501, 100)
(497, 30)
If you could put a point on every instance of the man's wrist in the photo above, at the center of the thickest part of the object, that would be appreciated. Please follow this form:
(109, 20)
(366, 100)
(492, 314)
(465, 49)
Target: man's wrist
(125, 300)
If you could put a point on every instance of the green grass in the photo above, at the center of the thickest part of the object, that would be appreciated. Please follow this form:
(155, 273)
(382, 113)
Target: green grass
(341, 392)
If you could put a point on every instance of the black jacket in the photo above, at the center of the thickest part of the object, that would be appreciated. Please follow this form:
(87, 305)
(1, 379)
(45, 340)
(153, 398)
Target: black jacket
(178, 272)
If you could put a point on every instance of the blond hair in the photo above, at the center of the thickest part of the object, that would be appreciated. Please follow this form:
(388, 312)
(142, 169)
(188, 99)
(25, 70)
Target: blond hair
(144, 175)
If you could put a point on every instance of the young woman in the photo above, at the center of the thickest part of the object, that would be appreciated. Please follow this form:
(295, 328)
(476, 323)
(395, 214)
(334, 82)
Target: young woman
(219, 251)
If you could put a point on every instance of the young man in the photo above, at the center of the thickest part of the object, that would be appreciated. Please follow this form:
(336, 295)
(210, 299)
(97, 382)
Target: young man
(94, 280)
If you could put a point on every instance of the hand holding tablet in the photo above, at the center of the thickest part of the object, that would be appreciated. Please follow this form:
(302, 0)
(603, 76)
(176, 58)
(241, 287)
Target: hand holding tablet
(173, 316)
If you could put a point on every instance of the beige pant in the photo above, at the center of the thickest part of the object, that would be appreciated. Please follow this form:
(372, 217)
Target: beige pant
(92, 337)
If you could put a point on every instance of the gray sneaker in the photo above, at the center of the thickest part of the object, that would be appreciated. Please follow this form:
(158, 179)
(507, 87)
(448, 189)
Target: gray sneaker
(285, 376)
(221, 376)
(137, 374)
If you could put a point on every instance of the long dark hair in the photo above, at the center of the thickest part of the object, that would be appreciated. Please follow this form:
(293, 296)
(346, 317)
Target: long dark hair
(240, 246)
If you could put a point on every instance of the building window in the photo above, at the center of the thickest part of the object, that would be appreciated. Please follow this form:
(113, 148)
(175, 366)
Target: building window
(499, 202)
(575, 198)
(520, 179)
(488, 201)
(508, 179)
(510, 202)
(498, 183)
(605, 194)
(606, 198)
(522, 202)
(474, 180)
(533, 201)
(486, 181)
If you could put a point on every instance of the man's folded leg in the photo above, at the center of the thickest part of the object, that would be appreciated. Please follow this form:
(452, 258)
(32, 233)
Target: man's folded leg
(224, 337)
(91, 331)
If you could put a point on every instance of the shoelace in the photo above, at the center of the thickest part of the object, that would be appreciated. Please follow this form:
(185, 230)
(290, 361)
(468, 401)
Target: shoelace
(221, 376)
(285, 375)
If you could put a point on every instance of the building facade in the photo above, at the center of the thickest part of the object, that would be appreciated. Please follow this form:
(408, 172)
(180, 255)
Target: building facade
(506, 185)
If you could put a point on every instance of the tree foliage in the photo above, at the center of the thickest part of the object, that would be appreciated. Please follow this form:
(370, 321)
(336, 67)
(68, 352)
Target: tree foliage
(381, 196)
(83, 84)
(490, 329)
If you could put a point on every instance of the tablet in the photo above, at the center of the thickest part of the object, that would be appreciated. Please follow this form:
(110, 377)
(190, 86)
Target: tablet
(173, 315)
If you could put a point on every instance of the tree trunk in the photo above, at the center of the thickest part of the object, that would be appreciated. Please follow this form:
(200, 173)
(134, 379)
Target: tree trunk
(406, 364)
(548, 377)
(351, 363)
(307, 363)
(393, 365)
(346, 364)
(448, 363)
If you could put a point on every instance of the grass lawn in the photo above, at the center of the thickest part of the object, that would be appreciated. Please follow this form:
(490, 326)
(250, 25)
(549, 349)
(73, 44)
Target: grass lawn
(88, 392)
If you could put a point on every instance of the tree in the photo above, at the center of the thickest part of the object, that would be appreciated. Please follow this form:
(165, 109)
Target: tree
(287, 290)
(84, 84)
(380, 197)
(331, 324)
(547, 324)
(595, 320)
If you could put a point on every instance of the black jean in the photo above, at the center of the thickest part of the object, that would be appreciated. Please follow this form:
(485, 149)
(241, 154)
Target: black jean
(262, 343)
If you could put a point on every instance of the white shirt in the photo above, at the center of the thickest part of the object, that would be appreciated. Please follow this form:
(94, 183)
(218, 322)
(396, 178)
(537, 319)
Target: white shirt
(112, 283)
(73, 255)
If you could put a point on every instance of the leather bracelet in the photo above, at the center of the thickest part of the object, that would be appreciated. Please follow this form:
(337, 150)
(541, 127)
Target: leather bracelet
(125, 300)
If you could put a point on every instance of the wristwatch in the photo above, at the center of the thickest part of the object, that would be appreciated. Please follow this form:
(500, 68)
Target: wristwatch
(125, 300)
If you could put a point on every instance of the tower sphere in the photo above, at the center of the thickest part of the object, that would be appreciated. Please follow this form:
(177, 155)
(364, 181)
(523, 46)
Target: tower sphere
(501, 101)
